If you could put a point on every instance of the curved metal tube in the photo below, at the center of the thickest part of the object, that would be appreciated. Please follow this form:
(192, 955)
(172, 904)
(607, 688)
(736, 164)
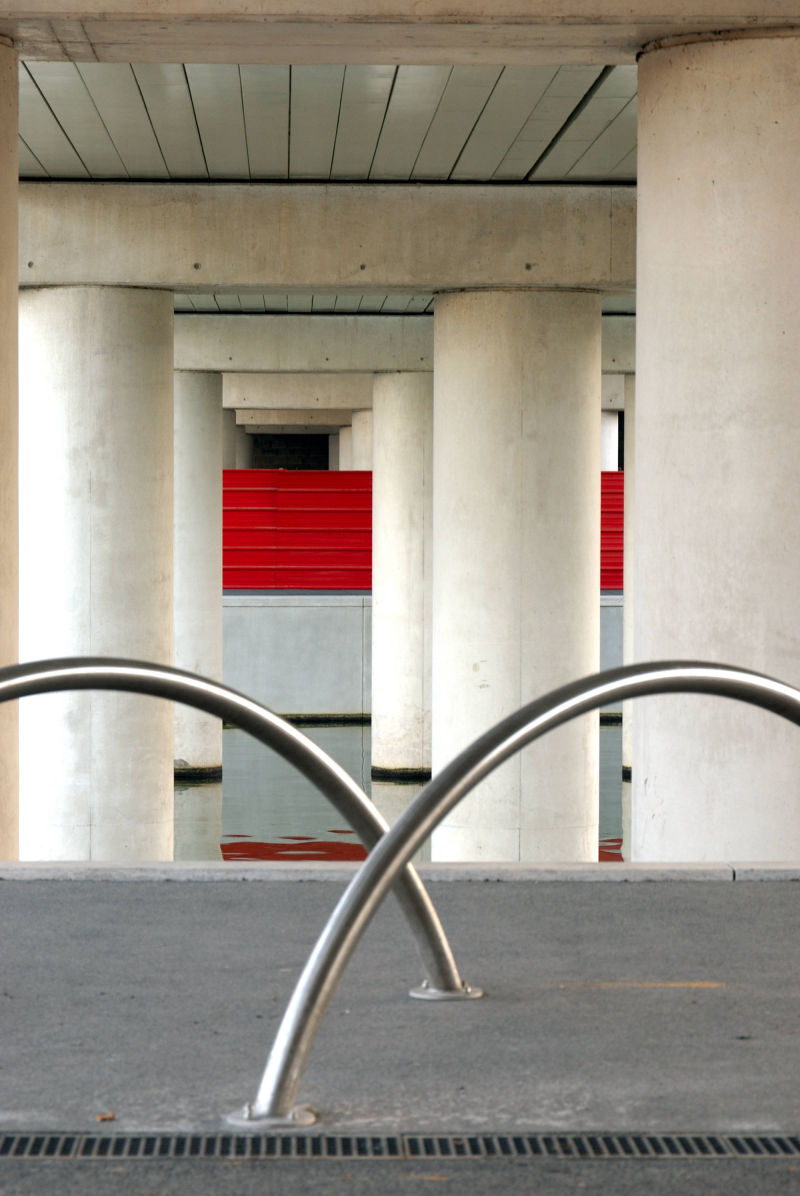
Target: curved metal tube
(134, 676)
(365, 892)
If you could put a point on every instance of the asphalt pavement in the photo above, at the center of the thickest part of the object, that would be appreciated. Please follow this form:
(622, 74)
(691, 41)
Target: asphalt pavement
(639, 1030)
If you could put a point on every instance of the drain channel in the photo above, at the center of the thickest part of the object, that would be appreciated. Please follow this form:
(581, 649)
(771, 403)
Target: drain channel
(400, 1146)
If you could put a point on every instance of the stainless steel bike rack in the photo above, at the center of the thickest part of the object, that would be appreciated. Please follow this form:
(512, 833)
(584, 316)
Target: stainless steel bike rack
(133, 676)
(368, 888)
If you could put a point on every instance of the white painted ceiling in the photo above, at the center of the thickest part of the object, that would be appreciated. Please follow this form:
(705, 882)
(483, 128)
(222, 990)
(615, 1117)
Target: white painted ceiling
(413, 123)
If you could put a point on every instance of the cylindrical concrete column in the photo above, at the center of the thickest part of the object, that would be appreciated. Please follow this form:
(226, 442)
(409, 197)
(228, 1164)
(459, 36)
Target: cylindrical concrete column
(237, 445)
(346, 448)
(717, 567)
(333, 450)
(198, 560)
(96, 523)
(401, 572)
(516, 548)
(362, 440)
(9, 282)
(628, 648)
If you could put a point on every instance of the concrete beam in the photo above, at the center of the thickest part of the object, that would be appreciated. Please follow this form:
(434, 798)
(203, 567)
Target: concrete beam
(307, 392)
(322, 347)
(612, 395)
(619, 344)
(283, 420)
(340, 238)
(369, 31)
(303, 343)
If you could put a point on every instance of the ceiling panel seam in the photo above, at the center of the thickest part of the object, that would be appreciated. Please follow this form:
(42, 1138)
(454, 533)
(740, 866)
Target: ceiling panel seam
(383, 122)
(244, 123)
(475, 123)
(338, 122)
(196, 122)
(102, 122)
(573, 116)
(64, 133)
(150, 120)
(439, 103)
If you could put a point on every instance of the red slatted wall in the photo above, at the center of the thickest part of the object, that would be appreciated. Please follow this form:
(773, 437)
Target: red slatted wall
(296, 529)
(312, 530)
(612, 507)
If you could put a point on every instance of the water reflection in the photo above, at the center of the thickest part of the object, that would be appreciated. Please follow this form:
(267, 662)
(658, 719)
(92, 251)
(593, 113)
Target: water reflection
(610, 831)
(265, 810)
(271, 812)
(198, 821)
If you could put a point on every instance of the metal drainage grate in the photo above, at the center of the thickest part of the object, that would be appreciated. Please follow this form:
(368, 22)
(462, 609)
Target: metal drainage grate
(400, 1146)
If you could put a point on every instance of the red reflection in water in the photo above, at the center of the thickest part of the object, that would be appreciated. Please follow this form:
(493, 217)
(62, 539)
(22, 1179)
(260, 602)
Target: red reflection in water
(292, 847)
(302, 847)
(610, 849)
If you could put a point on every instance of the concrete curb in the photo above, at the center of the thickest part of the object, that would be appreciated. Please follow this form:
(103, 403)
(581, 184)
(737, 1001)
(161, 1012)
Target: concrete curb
(183, 871)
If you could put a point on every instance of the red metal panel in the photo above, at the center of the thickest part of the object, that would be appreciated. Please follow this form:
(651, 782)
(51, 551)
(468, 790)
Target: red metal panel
(311, 530)
(297, 529)
(612, 510)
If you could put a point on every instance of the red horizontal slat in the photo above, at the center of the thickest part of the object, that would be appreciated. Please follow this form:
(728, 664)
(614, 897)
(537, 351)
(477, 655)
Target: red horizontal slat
(296, 579)
(282, 539)
(291, 558)
(328, 500)
(258, 500)
(307, 521)
(355, 520)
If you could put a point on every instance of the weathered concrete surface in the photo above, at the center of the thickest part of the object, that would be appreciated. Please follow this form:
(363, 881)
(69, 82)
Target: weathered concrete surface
(9, 407)
(198, 557)
(340, 237)
(291, 419)
(386, 31)
(309, 392)
(299, 344)
(96, 439)
(300, 654)
(303, 343)
(516, 405)
(402, 496)
(717, 441)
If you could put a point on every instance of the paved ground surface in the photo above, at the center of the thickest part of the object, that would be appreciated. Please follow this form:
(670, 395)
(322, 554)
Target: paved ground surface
(653, 1007)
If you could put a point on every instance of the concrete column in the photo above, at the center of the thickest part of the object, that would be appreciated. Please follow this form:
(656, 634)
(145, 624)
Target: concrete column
(516, 544)
(362, 440)
(345, 448)
(198, 561)
(333, 450)
(237, 444)
(717, 568)
(609, 440)
(9, 175)
(229, 429)
(401, 572)
(96, 524)
(628, 650)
